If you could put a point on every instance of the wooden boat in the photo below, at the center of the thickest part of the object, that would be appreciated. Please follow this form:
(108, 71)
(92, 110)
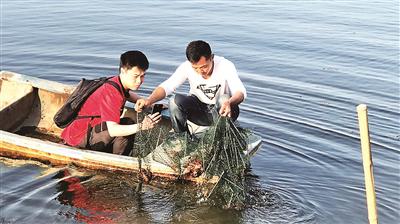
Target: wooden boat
(27, 106)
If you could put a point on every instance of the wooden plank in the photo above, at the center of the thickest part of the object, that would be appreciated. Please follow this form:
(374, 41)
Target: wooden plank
(52, 86)
(62, 154)
(16, 146)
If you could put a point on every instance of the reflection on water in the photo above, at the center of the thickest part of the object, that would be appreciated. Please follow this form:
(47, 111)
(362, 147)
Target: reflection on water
(85, 196)
(72, 192)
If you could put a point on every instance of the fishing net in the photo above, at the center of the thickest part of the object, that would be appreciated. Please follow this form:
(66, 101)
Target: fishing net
(215, 154)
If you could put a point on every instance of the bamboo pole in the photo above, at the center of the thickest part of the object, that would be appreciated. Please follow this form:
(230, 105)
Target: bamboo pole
(367, 163)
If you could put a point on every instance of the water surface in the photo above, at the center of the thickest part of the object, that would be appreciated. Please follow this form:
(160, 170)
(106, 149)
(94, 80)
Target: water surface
(306, 66)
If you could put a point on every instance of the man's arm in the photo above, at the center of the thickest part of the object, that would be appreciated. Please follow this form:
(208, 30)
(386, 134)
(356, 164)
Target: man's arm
(157, 95)
(236, 99)
(165, 88)
(226, 106)
(133, 97)
(115, 129)
(236, 87)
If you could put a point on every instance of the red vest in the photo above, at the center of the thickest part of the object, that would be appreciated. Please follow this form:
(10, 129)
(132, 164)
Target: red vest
(106, 101)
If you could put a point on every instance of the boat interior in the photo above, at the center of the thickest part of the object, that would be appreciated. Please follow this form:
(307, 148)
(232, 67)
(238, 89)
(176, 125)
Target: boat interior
(27, 106)
(29, 109)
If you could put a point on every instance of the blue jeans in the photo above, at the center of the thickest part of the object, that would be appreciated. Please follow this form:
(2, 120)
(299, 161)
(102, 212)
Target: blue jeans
(183, 108)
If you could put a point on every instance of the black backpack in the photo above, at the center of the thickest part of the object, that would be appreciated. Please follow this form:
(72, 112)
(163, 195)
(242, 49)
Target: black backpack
(69, 111)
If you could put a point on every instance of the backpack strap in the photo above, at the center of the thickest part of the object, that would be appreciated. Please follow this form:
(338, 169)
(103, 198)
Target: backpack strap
(115, 85)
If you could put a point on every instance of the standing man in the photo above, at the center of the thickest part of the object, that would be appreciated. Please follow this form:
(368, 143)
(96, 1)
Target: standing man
(108, 132)
(214, 86)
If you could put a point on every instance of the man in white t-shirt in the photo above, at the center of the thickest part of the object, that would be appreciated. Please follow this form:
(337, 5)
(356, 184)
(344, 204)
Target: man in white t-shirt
(215, 87)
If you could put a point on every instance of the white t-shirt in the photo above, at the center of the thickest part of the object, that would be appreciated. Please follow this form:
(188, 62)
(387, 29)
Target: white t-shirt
(223, 80)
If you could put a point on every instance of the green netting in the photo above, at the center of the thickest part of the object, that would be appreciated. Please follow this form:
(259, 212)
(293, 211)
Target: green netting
(217, 152)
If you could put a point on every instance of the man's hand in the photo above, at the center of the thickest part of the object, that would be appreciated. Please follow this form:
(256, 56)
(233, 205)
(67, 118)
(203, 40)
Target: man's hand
(141, 104)
(225, 109)
(150, 121)
(157, 95)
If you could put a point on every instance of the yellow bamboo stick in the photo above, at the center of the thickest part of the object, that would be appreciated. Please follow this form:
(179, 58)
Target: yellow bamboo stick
(367, 163)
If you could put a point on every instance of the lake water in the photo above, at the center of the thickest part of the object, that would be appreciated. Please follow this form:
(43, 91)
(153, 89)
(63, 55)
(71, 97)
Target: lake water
(306, 66)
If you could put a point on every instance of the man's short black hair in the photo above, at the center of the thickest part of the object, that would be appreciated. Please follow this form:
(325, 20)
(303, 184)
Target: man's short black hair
(196, 49)
(131, 59)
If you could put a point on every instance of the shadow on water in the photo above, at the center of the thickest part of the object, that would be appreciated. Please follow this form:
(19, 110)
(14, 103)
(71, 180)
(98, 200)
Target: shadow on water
(82, 196)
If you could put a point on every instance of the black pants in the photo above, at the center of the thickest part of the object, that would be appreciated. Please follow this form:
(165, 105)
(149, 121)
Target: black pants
(99, 139)
(183, 108)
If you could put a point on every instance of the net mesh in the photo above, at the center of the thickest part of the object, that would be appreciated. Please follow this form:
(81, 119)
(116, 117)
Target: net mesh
(216, 152)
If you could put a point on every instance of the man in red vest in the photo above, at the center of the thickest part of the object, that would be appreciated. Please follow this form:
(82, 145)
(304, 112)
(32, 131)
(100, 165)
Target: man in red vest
(109, 132)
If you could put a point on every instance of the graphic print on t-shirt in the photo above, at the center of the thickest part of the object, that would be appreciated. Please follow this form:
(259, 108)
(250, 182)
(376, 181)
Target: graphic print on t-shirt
(209, 91)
